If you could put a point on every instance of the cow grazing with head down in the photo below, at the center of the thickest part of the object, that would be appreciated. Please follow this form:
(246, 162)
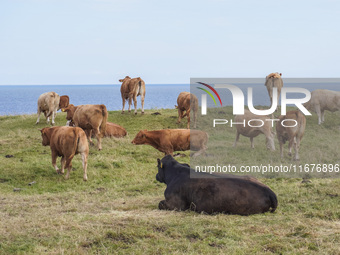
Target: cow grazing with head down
(251, 125)
(130, 89)
(292, 131)
(91, 118)
(187, 102)
(230, 195)
(170, 140)
(65, 142)
(274, 80)
(323, 100)
(49, 103)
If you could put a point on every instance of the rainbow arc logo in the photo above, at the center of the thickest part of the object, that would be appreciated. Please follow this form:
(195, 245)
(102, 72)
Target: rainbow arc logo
(209, 93)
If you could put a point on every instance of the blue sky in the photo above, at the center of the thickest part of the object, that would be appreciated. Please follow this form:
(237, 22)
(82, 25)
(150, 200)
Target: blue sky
(100, 41)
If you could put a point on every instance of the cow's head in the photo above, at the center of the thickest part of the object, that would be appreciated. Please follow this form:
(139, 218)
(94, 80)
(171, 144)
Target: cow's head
(126, 77)
(70, 109)
(64, 102)
(45, 136)
(160, 176)
(140, 138)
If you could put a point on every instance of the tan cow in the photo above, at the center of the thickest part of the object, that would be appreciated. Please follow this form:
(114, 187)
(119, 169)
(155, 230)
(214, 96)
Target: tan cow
(291, 134)
(170, 140)
(130, 89)
(185, 103)
(323, 100)
(90, 118)
(65, 142)
(251, 125)
(274, 80)
(49, 103)
(114, 130)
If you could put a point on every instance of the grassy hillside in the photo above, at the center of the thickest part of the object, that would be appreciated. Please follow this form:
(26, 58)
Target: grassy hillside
(116, 210)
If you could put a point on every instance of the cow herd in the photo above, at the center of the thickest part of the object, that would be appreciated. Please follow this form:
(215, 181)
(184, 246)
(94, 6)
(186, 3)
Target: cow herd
(239, 195)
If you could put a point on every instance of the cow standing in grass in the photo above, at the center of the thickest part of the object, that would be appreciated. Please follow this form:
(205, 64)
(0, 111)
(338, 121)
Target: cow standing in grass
(254, 129)
(49, 103)
(130, 89)
(274, 80)
(187, 102)
(66, 142)
(295, 124)
(90, 118)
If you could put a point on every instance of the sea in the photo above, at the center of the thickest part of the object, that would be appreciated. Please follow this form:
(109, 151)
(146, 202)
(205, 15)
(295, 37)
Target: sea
(22, 99)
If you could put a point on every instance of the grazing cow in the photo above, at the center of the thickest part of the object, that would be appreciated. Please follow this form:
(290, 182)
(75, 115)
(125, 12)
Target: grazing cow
(274, 80)
(322, 100)
(170, 140)
(185, 103)
(258, 125)
(90, 118)
(231, 195)
(49, 103)
(292, 131)
(130, 89)
(65, 142)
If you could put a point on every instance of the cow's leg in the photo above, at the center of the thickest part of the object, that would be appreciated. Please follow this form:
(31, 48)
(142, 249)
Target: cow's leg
(54, 161)
(54, 113)
(99, 137)
(188, 115)
(68, 166)
(297, 147)
(290, 146)
(124, 100)
(174, 203)
(84, 162)
(39, 113)
(130, 102)
(281, 149)
(142, 101)
(318, 112)
(179, 116)
(88, 133)
(135, 103)
(63, 161)
(322, 116)
(252, 142)
(237, 137)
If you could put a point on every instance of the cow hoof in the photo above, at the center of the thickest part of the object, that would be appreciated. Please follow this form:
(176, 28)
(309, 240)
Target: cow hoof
(162, 206)
(36, 123)
(85, 179)
(122, 112)
(135, 113)
(142, 113)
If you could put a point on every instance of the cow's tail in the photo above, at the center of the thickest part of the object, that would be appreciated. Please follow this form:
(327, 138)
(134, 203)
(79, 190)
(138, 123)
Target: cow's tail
(76, 140)
(273, 201)
(103, 125)
(139, 87)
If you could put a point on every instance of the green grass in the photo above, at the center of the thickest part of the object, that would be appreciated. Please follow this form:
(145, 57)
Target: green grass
(116, 210)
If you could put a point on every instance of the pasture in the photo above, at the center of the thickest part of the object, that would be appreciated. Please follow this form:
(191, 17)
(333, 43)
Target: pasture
(116, 211)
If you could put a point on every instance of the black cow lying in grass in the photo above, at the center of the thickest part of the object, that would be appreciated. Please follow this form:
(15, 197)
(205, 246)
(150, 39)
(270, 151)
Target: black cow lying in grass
(232, 195)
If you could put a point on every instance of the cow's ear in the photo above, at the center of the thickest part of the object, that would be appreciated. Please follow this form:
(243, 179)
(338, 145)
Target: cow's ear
(280, 74)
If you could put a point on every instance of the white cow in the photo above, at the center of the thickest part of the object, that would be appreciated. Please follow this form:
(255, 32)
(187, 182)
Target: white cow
(48, 103)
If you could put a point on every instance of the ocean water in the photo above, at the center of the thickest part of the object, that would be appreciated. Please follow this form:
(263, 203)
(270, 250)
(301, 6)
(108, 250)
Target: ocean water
(16, 100)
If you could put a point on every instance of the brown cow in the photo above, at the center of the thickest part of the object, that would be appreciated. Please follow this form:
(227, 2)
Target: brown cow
(114, 130)
(251, 125)
(90, 118)
(65, 142)
(274, 80)
(170, 140)
(292, 134)
(185, 103)
(130, 89)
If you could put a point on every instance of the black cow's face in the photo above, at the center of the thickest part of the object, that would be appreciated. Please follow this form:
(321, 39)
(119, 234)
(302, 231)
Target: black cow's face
(160, 176)
(45, 139)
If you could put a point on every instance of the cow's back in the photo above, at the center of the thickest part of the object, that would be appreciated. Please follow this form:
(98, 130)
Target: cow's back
(183, 101)
(86, 116)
